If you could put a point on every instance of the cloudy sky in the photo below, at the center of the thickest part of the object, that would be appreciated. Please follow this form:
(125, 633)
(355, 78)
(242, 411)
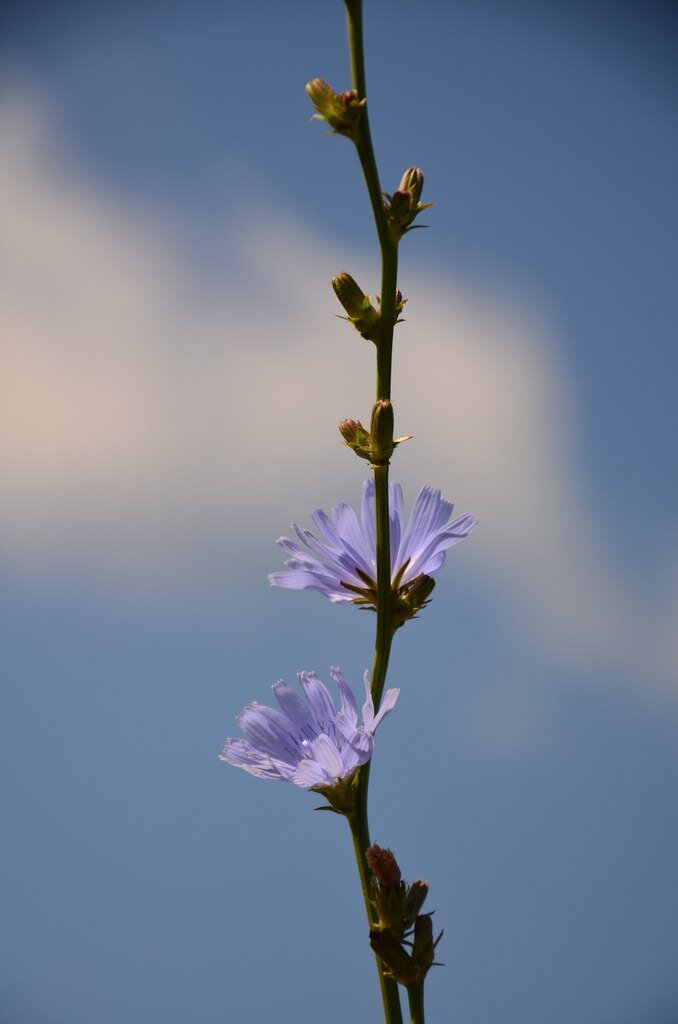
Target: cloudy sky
(172, 377)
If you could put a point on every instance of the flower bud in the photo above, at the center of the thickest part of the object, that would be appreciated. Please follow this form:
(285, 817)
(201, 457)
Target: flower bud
(357, 437)
(414, 900)
(412, 182)
(382, 432)
(423, 949)
(397, 962)
(342, 111)
(403, 206)
(373, 445)
(361, 312)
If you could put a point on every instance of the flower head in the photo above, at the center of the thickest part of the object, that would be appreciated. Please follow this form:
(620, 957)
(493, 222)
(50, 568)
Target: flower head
(342, 565)
(308, 742)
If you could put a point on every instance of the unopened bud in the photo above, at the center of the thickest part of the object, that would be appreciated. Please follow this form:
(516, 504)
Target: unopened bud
(361, 312)
(403, 206)
(382, 432)
(397, 962)
(357, 437)
(342, 111)
(424, 948)
(412, 182)
(414, 900)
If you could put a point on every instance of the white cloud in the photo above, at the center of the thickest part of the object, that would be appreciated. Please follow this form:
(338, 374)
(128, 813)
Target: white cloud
(148, 416)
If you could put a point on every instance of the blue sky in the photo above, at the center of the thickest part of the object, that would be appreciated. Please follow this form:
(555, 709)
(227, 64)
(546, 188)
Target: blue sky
(174, 376)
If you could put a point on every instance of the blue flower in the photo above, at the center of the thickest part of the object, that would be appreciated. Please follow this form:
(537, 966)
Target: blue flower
(309, 742)
(342, 565)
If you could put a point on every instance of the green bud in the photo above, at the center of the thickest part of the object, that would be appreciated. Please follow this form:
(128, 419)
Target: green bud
(357, 437)
(403, 206)
(412, 182)
(382, 432)
(423, 949)
(414, 900)
(342, 111)
(361, 312)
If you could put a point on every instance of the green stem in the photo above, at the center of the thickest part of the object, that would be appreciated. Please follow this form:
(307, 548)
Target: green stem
(384, 628)
(389, 248)
(415, 995)
(361, 842)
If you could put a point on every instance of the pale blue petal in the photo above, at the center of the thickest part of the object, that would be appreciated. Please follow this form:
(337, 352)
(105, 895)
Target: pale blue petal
(431, 555)
(367, 514)
(319, 698)
(388, 702)
(310, 773)
(324, 752)
(368, 706)
(299, 579)
(242, 755)
(396, 520)
(294, 708)
(429, 514)
(352, 539)
(269, 731)
(357, 751)
(348, 701)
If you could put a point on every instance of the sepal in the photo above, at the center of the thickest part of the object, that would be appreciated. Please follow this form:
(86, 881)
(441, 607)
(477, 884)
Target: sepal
(412, 597)
(341, 797)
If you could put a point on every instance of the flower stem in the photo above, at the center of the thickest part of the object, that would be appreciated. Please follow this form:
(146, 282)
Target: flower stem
(384, 629)
(415, 995)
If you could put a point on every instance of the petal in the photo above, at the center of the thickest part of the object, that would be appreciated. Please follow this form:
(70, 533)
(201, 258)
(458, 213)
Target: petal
(310, 773)
(430, 512)
(353, 539)
(242, 755)
(325, 752)
(294, 708)
(367, 514)
(357, 751)
(388, 703)
(322, 767)
(368, 706)
(397, 517)
(319, 698)
(432, 554)
(270, 732)
(349, 708)
(303, 579)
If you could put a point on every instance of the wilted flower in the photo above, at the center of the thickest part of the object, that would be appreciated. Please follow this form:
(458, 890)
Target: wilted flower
(309, 742)
(342, 565)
